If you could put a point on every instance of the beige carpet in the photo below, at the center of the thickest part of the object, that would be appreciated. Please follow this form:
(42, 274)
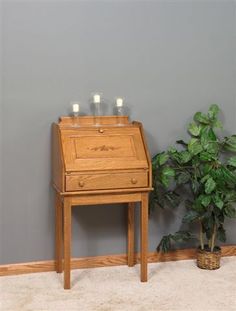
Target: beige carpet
(171, 286)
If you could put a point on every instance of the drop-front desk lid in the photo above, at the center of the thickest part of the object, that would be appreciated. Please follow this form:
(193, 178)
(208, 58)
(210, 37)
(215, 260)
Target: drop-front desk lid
(88, 147)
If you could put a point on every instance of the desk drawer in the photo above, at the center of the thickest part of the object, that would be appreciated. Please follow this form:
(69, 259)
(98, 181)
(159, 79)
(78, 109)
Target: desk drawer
(106, 181)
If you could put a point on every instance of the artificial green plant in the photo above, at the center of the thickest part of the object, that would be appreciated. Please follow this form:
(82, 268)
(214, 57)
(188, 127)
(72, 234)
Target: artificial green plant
(202, 173)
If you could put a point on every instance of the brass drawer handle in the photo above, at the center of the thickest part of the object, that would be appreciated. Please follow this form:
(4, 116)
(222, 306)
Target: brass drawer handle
(134, 181)
(101, 131)
(81, 183)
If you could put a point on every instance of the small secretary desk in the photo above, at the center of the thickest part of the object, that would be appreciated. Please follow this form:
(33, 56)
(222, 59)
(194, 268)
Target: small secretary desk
(99, 160)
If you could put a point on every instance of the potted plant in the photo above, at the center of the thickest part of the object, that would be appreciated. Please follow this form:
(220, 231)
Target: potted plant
(201, 173)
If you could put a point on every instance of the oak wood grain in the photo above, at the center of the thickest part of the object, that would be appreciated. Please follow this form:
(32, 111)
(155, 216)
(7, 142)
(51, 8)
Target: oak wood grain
(103, 164)
(67, 242)
(106, 191)
(139, 124)
(107, 148)
(93, 199)
(144, 236)
(58, 170)
(58, 232)
(130, 237)
(106, 181)
(106, 260)
(90, 120)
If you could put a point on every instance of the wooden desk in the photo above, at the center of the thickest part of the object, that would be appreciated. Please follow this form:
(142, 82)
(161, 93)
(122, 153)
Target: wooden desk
(103, 164)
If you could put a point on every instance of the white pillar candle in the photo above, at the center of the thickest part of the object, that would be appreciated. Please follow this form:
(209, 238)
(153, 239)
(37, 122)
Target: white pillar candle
(119, 102)
(96, 98)
(75, 107)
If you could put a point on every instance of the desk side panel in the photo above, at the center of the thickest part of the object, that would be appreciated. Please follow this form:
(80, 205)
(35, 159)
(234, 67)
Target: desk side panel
(58, 169)
(139, 124)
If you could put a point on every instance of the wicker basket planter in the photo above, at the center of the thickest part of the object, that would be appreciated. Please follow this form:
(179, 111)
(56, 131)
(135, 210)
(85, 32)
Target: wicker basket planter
(207, 259)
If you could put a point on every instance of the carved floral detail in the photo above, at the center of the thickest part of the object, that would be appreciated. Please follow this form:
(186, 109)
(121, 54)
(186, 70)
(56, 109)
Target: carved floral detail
(104, 148)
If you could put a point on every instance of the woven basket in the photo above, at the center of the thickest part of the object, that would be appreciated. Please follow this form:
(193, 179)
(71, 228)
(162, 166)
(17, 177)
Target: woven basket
(209, 260)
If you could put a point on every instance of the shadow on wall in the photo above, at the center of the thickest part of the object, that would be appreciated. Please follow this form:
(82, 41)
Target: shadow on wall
(152, 143)
(100, 227)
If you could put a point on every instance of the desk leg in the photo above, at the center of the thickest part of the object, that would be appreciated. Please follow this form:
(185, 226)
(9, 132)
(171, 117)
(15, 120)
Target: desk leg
(58, 232)
(144, 236)
(67, 242)
(131, 208)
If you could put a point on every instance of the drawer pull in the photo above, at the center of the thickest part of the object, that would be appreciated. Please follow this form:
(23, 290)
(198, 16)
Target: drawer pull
(81, 183)
(134, 181)
(100, 130)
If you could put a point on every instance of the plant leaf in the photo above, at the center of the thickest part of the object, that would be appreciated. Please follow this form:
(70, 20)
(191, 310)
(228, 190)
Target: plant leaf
(173, 199)
(217, 124)
(206, 156)
(230, 196)
(195, 185)
(194, 129)
(181, 142)
(204, 199)
(190, 216)
(207, 137)
(166, 174)
(213, 111)
(201, 117)
(204, 178)
(165, 181)
(232, 161)
(217, 200)
(183, 178)
(230, 211)
(181, 157)
(210, 185)
(162, 158)
(172, 150)
(155, 161)
(185, 157)
(182, 236)
(194, 146)
(213, 148)
(168, 171)
(230, 143)
(164, 245)
(206, 168)
(228, 176)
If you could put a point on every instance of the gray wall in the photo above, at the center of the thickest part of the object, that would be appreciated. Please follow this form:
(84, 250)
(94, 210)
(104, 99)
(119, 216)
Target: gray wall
(167, 58)
(1, 133)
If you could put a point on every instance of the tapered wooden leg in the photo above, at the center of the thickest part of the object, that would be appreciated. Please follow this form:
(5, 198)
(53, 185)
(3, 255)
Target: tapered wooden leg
(58, 232)
(67, 242)
(131, 208)
(144, 236)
